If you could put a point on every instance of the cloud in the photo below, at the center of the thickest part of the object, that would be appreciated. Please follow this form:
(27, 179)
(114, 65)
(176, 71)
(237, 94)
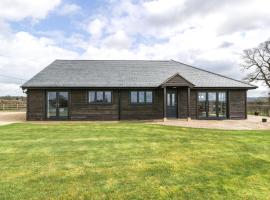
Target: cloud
(20, 9)
(22, 55)
(9, 89)
(226, 45)
(250, 15)
(96, 27)
(69, 9)
(118, 40)
(208, 34)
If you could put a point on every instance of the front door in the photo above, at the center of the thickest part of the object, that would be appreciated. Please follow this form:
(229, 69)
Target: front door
(171, 103)
(57, 105)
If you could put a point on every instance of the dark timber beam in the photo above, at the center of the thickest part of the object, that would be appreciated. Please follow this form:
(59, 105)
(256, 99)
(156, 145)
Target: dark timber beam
(188, 103)
(119, 105)
(165, 103)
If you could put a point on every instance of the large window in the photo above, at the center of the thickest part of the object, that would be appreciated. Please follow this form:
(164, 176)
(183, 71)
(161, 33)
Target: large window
(212, 104)
(141, 97)
(100, 97)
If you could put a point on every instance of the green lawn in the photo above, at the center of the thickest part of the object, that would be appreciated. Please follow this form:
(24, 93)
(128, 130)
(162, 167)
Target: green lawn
(132, 161)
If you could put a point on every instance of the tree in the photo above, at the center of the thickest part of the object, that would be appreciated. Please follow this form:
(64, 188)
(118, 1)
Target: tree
(257, 62)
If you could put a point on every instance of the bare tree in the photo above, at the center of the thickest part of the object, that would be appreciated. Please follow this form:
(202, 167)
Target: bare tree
(257, 62)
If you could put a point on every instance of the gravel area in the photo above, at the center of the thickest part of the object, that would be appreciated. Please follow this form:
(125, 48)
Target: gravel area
(11, 117)
(252, 123)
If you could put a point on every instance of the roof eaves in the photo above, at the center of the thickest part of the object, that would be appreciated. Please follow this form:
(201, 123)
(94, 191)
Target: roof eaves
(251, 86)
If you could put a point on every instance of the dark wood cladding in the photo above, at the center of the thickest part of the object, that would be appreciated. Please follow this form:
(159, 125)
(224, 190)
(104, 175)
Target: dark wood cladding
(193, 104)
(80, 109)
(35, 105)
(142, 112)
(182, 103)
(237, 104)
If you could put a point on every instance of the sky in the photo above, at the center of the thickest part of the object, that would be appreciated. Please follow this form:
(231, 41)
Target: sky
(208, 34)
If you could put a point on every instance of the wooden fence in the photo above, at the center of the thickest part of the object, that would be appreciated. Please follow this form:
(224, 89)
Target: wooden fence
(263, 110)
(12, 107)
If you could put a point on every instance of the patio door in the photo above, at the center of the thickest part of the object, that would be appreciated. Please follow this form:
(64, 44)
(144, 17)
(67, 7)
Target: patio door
(57, 105)
(172, 103)
(212, 105)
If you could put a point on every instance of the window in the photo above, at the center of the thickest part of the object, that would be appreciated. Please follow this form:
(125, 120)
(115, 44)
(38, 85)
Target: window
(149, 97)
(107, 97)
(141, 97)
(202, 104)
(222, 96)
(202, 96)
(173, 99)
(133, 96)
(212, 104)
(212, 96)
(92, 97)
(168, 99)
(222, 107)
(100, 96)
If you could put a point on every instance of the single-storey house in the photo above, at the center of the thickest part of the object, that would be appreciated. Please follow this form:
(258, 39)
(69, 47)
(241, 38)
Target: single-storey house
(131, 90)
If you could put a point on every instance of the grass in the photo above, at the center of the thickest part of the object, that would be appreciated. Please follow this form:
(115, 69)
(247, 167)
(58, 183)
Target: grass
(132, 161)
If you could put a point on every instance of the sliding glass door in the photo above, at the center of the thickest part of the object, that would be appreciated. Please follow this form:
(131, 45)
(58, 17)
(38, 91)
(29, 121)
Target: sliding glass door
(222, 104)
(202, 111)
(212, 104)
(51, 105)
(63, 104)
(57, 105)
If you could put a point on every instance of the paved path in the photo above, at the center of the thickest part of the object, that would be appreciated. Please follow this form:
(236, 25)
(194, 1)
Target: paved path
(252, 123)
(11, 117)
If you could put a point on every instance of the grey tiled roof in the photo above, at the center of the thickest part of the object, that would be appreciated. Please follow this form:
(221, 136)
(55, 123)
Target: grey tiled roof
(124, 73)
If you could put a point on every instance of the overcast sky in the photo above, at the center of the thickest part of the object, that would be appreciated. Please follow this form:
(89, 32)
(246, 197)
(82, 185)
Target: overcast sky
(207, 34)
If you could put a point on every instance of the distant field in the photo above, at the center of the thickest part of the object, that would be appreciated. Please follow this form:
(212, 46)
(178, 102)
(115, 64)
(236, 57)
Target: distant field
(262, 109)
(132, 161)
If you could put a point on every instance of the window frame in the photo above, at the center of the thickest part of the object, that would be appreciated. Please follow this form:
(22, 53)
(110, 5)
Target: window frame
(145, 97)
(103, 97)
(206, 101)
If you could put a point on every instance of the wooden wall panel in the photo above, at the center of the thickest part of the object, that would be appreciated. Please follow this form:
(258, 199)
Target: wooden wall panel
(182, 103)
(237, 104)
(193, 104)
(80, 109)
(149, 111)
(35, 105)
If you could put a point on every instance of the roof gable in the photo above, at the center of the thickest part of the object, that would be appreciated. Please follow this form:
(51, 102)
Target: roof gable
(177, 80)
